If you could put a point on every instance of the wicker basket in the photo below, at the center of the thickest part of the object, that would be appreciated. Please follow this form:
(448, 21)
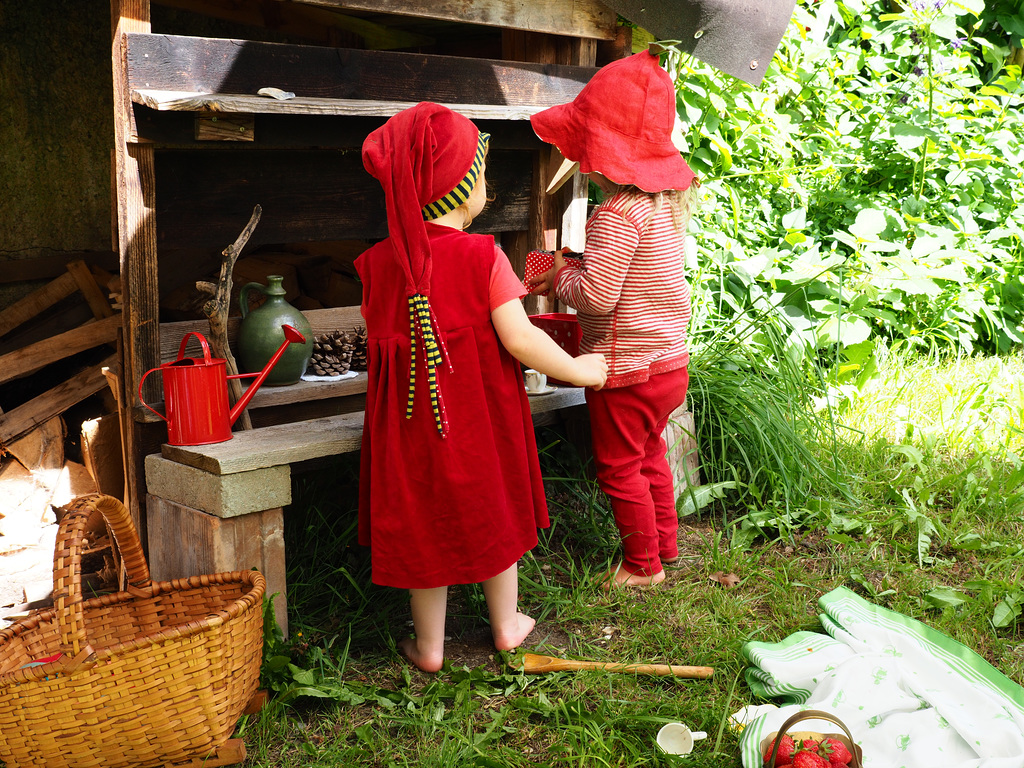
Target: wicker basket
(768, 742)
(153, 675)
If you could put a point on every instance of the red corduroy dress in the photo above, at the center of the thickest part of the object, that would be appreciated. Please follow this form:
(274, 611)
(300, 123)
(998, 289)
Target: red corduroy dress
(460, 509)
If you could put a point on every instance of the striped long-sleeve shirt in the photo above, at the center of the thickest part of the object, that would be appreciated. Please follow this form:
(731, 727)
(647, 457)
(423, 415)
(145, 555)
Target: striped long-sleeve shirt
(631, 294)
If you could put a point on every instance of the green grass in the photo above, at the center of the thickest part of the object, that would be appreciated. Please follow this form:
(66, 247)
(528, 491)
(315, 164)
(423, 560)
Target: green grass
(910, 489)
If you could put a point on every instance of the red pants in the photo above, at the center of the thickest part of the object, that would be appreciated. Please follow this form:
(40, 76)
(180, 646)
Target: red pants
(632, 465)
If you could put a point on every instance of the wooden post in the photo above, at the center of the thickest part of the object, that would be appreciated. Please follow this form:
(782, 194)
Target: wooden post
(134, 185)
(555, 220)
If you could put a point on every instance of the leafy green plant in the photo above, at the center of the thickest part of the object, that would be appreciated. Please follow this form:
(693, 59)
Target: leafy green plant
(870, 190)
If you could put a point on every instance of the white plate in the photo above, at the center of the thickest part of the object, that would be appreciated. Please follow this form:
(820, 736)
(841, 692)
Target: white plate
(546, 391)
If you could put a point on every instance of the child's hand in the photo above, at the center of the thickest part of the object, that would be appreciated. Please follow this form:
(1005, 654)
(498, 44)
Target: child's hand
(592, 371)
(542, 283)
(559, 262)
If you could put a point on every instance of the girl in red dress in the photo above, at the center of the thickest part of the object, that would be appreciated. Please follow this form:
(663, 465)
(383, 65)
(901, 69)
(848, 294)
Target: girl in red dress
(631, 294)
(450, 484)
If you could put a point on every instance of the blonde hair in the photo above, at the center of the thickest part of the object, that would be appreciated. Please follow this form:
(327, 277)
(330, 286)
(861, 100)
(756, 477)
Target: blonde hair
(680, 201)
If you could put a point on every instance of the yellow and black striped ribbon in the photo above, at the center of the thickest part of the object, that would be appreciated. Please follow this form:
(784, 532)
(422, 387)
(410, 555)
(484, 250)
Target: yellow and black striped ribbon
(421, 330)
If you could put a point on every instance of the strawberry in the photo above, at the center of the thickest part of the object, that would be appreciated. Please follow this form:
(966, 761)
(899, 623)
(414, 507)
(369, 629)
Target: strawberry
(803, 759)
(837, 752)
(785, 754)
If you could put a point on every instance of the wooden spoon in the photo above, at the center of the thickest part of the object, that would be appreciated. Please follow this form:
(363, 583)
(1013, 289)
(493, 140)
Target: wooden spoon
(534, 663)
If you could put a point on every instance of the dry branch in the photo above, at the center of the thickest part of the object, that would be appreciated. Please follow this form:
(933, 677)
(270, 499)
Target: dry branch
(217, 307)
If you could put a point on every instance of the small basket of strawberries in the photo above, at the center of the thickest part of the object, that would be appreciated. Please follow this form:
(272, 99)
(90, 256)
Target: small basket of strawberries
(809, 749)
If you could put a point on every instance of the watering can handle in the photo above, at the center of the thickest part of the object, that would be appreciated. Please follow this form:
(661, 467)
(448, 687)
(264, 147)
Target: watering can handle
(202, 341)
(142, 400)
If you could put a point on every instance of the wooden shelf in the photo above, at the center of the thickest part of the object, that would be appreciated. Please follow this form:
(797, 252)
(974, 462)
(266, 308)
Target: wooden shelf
(308, 390)
(239, 103)
(302, 440)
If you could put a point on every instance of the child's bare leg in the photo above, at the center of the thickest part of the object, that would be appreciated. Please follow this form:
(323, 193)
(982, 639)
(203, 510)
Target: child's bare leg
(429, 607)
(508, 625)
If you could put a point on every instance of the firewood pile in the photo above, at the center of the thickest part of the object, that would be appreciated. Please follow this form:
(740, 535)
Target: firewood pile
(60, 434)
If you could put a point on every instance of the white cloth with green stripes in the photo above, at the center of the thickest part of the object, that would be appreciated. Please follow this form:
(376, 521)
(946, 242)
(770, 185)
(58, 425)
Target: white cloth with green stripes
(911, 696)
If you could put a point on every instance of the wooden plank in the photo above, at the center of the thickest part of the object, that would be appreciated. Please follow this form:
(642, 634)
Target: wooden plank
(17, 422)
(87, 285)
(307, 410)
(683, 455)
(35, 356)
(306, 196)
(273, 446)
(555, 220)
(133, 186)
(304, 391)
(310, 131)
(36, 302)
(231, 752)
(309, 23)
(62, 317)
(301, 441)
(234, 103)
(221, 127)
(217, 545)
(574, 18)
(214, 65)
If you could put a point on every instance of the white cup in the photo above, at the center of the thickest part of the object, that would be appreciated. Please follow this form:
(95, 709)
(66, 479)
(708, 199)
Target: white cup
(535, 380)
(677, 739)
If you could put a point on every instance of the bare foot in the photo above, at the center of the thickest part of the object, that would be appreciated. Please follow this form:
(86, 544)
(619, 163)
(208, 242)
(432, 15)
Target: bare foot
(425, 661)
(620, 577)
(507, 638)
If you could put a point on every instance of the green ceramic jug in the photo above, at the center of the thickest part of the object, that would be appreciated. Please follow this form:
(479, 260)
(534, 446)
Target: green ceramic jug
(260, 334)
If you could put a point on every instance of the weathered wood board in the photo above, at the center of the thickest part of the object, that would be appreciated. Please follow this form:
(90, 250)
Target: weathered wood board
(306, 195)
(575, 18)
(211, 65)
(289, 443)
(35, 356)
(217, 545)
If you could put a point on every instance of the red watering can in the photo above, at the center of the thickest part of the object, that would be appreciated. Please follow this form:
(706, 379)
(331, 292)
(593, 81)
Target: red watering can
(196, 393)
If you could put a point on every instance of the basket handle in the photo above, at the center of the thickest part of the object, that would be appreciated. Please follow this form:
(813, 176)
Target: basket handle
(67, 576)
(815, 714)
(122, 528)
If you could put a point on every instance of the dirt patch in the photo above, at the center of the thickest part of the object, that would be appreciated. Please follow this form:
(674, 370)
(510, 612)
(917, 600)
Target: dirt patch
(472, 646)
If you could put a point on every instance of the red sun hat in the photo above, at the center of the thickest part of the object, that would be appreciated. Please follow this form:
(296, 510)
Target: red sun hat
(620, 125)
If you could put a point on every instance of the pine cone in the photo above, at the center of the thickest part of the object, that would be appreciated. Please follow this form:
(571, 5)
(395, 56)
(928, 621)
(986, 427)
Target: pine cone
(332, 354)
(359, 338)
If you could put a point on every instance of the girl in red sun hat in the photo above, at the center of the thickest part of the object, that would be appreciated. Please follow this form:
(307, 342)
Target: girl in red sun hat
(630, 293)
(450, 489)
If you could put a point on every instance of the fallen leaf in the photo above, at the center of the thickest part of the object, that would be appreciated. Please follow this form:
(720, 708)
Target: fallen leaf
(725, 579)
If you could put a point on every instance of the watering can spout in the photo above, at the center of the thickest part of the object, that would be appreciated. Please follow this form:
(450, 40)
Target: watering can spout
(291, 334)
